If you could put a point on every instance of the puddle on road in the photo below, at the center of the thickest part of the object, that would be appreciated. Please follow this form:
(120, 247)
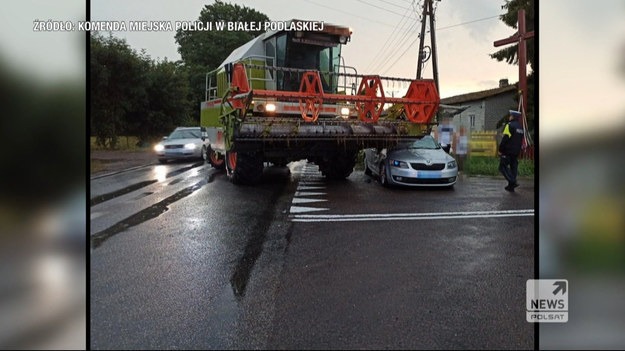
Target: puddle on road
(183, 169)
(175, 181)
(144, 194)
(160, 178)
(144, 215)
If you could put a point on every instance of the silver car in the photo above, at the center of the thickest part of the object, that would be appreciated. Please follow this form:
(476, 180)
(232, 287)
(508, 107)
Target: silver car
(182, 143)
(420, 162)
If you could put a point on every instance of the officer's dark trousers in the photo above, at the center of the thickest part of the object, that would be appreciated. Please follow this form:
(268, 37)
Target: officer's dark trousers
(508, 166)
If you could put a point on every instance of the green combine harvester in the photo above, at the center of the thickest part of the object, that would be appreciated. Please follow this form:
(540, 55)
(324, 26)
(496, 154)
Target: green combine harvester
(286, 96)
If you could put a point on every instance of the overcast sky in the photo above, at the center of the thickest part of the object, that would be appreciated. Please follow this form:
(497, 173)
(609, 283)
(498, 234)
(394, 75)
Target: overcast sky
(464, 64)
(582, 45)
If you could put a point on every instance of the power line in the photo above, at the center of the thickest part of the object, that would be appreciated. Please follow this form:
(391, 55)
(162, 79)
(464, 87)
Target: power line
(461, 24)
(381, 8)
(388, 41)
(402, 41)
(350, 14)
(402, 55)
(399, 6)
(442, 28)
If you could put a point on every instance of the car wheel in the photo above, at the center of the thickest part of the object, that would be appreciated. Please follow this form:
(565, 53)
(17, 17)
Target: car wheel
(383, 179)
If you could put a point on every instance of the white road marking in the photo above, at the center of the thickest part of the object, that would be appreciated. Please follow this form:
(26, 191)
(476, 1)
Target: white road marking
(300, 200)
(304, 187)
(309, 178)
(299, 209)
(411, 216)
(95, 215)
(307, 193)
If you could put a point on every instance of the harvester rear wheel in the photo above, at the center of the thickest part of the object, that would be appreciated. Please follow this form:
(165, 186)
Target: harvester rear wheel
(244, 168)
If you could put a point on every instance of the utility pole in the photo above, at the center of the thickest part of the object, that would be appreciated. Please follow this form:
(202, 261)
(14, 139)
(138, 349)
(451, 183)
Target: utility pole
(428, 11)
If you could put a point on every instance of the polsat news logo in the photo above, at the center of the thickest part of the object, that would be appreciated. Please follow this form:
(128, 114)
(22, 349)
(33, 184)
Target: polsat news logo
(547, 301)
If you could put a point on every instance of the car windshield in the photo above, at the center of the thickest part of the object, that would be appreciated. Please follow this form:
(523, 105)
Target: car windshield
(427, 142)
(185, 134)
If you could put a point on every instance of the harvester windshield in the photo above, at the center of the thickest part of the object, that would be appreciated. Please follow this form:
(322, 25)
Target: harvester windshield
(313, 57)
(310, 51)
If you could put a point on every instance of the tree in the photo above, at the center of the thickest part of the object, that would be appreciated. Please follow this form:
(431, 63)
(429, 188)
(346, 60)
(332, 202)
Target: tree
(204, 51)
(510, 53)
(168, 103)
(118, 87)
(132, 94)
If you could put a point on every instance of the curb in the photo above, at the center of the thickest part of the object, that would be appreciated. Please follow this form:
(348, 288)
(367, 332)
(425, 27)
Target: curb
(121, 171)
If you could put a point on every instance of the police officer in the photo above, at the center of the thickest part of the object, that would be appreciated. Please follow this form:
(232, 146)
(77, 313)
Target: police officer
(509, 149)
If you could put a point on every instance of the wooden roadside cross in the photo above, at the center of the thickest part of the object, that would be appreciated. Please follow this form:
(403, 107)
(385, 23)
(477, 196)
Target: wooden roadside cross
(520, 36)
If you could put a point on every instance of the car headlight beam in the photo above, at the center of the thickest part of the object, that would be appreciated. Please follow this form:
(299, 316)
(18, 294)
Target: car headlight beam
(159, 147)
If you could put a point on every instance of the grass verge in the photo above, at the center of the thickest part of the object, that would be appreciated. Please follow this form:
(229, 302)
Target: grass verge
(489, 166)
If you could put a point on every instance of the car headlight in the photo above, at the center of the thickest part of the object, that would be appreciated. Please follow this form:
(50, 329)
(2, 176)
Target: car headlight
(399, 164)
(159, 147)
(451, 164)
(190, 146)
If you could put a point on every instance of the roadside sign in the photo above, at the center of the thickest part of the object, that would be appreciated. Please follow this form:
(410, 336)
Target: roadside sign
(483, 143)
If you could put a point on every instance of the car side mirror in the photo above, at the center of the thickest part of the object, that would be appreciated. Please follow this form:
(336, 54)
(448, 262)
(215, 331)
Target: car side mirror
(446, 148)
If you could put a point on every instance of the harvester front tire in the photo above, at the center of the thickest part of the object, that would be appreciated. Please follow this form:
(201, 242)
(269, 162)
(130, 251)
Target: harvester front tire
(244, 168)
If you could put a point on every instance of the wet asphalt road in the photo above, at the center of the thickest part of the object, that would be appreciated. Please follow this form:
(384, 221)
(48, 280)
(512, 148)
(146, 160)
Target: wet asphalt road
(190, 261)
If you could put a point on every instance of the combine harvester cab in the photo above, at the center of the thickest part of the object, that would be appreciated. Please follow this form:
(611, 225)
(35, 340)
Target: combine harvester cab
(284, 96)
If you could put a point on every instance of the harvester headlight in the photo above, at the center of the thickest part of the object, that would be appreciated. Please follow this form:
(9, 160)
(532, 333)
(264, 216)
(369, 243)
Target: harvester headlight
(159, 147)
(269, 107)
(190, 146)
(345, 111)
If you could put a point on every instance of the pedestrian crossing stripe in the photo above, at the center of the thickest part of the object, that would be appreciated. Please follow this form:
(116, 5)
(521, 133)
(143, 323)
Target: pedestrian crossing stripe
(300, 209)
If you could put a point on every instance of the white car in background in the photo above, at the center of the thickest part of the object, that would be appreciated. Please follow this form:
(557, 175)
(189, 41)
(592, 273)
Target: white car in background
(182, 143)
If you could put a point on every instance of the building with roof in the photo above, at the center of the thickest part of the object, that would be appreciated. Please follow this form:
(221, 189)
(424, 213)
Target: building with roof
(486, 107)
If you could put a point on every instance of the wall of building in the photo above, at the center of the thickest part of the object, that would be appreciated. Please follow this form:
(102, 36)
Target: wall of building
(477, 110)
(497, 107)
